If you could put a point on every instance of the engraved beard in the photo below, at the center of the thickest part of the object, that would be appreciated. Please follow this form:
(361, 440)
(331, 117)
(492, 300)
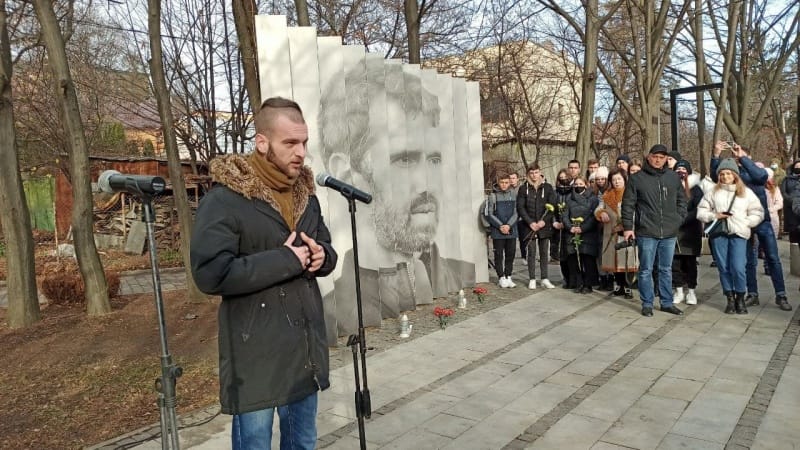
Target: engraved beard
(395, 227)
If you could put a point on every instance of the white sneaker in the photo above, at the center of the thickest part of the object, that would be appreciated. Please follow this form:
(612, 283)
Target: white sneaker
(510, 283)
(532, 284)
(502, 282)
(679, 296)
(546, 283)
(524, 262)
(691, 298)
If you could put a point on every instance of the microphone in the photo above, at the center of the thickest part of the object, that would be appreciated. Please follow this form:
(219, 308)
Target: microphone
(325, 180)
(112, 181)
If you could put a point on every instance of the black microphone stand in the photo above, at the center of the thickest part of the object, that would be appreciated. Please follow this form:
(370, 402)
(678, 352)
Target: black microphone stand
(165, 386)
(362, 399)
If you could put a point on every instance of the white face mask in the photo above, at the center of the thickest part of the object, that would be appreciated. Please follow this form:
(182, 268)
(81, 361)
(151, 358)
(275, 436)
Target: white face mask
(773, 167)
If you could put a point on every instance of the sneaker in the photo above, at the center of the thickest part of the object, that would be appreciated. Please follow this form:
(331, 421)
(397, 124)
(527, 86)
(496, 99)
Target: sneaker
(752, 300)
(532, 284)
(524, 261)
(713, 264)
(691, 298)
(679, 296)
(782, 303)
(502, 282)
(510, 283)
(546, 283)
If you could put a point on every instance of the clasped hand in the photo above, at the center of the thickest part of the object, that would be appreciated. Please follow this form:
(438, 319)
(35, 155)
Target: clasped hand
(311, 255)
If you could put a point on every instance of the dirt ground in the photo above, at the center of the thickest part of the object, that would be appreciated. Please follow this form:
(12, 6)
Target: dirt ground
(70, 381)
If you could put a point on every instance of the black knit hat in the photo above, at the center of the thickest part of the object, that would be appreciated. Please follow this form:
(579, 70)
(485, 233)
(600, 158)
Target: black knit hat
(685, 164)
(659, 148)
(624, 157)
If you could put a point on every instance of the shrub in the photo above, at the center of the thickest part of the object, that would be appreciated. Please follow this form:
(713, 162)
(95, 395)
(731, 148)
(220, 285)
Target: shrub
(65, 287)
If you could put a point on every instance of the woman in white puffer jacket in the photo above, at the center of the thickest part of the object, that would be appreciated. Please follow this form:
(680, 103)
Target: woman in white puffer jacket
(730, 251)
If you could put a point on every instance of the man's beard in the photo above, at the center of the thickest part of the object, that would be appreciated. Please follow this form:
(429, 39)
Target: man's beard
(395, 230)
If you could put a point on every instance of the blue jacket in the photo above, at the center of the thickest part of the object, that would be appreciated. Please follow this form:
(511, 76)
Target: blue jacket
(502, 210)
(752, 176)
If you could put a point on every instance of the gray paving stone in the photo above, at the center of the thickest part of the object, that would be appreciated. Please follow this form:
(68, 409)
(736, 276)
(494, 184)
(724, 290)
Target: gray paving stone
(657, 358)
(406, 418)
(741, 369)
(609, 402)
(679, 388)
(419, 439)
(541, 399)
(730, 386)
(693, 368)
(674, 441)
(568, 378)
(646, 423)
(469, 383)
(528, 375)
(449, 425)
(574, 431)
(495, 431)
(483, 404)
(711, 416)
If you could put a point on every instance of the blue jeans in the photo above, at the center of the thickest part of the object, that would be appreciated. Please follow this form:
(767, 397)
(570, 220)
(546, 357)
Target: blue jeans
(648, 248)
(729, 252)
(766, 237)
(253, 430)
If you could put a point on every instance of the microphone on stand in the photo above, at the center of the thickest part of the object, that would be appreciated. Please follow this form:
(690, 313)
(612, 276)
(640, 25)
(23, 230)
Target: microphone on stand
(351, 192)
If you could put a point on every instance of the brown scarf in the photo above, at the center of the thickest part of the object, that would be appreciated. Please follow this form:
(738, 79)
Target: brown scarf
(612, 198)
(280, 184)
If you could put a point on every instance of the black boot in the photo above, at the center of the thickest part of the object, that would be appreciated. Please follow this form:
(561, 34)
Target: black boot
(739, 303)
(729, 309)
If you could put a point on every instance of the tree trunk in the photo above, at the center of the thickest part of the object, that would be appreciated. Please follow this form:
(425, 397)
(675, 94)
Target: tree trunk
(244, 18)
(700, 62)
(161, 93)
(91, 268)
(302, 13)
(412, 30)
(23, 301)
(583, 141)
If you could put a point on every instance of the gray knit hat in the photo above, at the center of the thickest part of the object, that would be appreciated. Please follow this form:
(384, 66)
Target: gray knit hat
(728, 164)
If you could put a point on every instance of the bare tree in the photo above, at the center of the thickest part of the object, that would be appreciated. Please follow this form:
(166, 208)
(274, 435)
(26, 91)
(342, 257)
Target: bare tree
(23, 302)
(91, 268)
(589, 33)
(243, 16)
(758, 57)
(302, 13)
(170, 142)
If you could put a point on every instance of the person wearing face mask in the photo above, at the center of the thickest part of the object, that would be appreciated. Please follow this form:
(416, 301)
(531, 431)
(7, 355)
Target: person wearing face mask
(583, 241)
(558, 247)
(790, 190)
(690, 242)
(653, 207)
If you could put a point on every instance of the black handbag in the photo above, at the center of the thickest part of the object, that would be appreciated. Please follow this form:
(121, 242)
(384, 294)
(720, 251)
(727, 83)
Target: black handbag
(720, 226)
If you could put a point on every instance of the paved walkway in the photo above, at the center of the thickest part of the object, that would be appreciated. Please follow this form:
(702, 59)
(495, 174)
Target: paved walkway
(556, 370)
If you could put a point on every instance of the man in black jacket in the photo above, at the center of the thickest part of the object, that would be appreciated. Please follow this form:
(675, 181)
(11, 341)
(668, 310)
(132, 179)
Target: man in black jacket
(260, 242)
(653, 207)
(533, 198)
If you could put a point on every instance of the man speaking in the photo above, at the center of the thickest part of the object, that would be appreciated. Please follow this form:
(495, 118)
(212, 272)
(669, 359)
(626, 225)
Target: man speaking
(260, 242)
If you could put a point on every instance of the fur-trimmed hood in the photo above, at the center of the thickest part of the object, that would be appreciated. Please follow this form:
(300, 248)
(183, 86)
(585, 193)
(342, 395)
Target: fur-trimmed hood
(694, 180)
(238, 175)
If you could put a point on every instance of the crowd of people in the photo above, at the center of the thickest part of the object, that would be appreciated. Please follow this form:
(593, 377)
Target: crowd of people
(641, 225)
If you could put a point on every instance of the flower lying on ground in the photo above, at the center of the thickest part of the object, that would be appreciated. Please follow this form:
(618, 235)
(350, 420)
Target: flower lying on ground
(443, 314)
(480, 292)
